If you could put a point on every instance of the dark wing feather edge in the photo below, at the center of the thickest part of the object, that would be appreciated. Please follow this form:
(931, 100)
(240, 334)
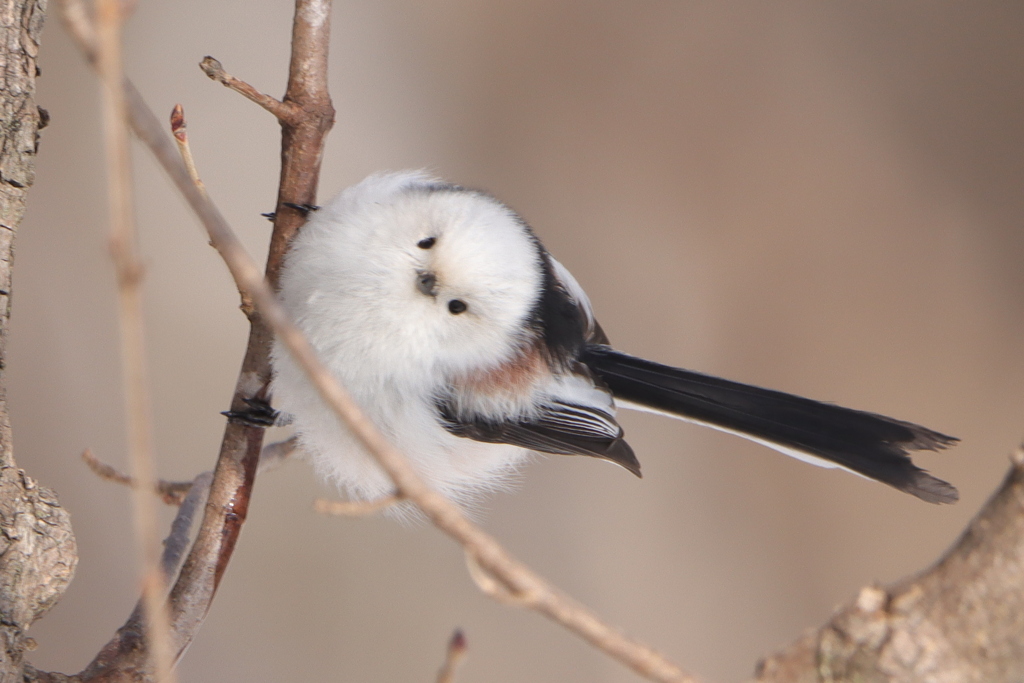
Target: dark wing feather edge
(560, 429)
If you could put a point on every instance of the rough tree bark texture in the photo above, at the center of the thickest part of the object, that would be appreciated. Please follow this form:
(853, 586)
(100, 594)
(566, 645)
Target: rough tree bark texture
(37, 548)
(962, 621)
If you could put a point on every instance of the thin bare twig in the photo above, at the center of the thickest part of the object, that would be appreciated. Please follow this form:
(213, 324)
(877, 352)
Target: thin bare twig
(354, 508)
(177, 541)
(174, 492)
(133, 630)
(307, 82)
(454, 655)
(179, 129)
(274, 454)
(135, 376)
(491, 587)
(284, 111)
(237, 462)
(485, 550)
(75, 15)
(301, 151)
(171, 492)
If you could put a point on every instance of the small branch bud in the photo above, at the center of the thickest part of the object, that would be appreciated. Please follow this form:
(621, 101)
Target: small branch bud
(178, 128)
(283, 111)
(453, 657)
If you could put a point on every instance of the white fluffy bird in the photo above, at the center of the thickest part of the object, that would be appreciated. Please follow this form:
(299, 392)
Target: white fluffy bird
(469, 346)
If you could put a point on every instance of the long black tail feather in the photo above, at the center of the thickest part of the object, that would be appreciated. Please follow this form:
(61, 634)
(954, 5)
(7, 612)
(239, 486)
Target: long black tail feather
(872, 445)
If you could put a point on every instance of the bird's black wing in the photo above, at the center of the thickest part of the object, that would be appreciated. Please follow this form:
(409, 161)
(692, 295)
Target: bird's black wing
(872, 445)
(560, 428)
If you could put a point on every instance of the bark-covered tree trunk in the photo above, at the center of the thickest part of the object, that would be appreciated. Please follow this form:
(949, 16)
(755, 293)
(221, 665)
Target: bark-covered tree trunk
(37, 548)
(962, 621)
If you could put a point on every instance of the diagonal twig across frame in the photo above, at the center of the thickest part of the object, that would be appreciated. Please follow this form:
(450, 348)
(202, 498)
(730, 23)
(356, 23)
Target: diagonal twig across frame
(308, 79)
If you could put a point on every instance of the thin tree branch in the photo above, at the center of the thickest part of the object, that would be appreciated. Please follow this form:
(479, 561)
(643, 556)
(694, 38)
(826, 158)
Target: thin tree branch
(179, 129)
(302, 144)
(285, 112)
(308, 76)
(170, 492)
(519, 580)
(174, 492)
(354, 508)
(490, 586)
(454, 654)
(75, 14)
(227, 507)
(133, 350)
(177, 541)
(275, 454)
(133, 630)
(239, 455)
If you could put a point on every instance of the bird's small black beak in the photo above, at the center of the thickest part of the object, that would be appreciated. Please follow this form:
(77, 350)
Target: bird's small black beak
(426, 282)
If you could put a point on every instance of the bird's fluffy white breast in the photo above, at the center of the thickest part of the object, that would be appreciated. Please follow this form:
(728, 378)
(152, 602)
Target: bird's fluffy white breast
(349, 282)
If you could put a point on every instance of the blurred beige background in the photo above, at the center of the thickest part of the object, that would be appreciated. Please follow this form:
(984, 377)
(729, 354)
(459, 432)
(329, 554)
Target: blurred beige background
(824, 198)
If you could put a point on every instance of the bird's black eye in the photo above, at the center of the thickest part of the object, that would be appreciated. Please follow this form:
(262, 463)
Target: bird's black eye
(426, 243)
(456, 306)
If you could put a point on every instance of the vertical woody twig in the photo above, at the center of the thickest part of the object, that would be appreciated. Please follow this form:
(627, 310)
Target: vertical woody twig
(135, 376)
(303, 135)
(310, 117)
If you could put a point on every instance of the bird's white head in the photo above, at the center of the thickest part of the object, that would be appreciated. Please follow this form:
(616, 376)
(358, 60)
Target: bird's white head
(413, 274)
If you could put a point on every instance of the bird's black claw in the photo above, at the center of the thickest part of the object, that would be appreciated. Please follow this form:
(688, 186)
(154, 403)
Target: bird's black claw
(304, 209)
(270, 215)
(257, 414)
